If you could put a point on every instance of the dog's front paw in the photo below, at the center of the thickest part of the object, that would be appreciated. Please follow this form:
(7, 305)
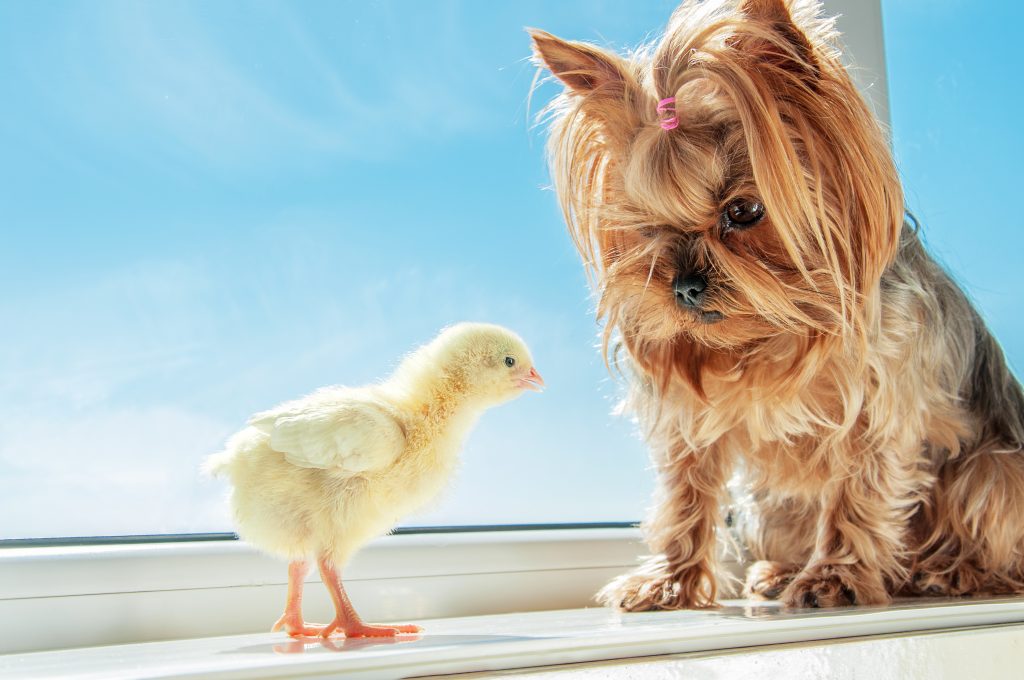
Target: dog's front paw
(653, 587)
(955, 581)
(834, 586)
(766, 580)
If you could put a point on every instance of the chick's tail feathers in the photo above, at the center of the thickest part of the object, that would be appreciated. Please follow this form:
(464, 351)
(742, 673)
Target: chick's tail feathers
(217, 464)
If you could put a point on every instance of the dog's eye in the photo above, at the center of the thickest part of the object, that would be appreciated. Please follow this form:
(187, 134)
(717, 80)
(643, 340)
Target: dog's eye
(743, 213)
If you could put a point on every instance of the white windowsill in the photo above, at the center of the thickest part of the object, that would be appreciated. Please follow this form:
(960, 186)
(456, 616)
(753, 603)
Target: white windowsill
(83, 604)
(528, 640)
(64, 597)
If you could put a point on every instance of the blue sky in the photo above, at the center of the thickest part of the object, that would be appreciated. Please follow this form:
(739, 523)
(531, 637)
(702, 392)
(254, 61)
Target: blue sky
(208, 208)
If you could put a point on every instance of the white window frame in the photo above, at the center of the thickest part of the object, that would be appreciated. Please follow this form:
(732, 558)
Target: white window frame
(74, 596)
(59, 596)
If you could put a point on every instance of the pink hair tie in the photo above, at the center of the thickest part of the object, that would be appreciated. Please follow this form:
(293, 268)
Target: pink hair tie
(668, 105)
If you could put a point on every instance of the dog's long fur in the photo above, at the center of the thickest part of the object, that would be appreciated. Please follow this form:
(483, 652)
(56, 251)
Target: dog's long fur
(849, 383)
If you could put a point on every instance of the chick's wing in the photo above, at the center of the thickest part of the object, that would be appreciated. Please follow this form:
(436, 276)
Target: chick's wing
(351, 434)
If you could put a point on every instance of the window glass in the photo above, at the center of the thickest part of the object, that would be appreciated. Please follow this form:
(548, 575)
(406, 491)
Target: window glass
(956, 99)
(209, 208)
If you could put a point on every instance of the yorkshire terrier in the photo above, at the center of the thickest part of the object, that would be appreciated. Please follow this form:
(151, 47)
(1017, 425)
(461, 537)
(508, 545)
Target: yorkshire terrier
(739, 211)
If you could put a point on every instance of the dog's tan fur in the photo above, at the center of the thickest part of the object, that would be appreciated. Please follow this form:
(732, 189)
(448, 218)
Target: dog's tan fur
(849, 384)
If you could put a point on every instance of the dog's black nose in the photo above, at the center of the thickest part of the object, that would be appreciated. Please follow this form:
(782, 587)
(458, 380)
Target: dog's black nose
(689, 289)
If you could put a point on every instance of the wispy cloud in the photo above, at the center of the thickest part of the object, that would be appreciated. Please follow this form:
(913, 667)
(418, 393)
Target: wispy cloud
(108, 471)
(163, 77)
(163, 366)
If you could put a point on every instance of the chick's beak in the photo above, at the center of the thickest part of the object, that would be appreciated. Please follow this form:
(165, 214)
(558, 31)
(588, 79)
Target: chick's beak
(532, 381)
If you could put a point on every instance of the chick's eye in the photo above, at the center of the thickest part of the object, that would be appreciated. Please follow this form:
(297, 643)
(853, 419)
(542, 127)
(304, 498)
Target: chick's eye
(510, 362)
(743, 213)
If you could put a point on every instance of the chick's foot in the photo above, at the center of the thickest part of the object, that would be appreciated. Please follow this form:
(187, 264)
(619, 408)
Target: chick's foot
(357, 629)
(296, 627)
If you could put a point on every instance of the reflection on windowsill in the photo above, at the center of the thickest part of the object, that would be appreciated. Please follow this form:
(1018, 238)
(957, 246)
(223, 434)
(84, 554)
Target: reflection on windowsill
(317, 645)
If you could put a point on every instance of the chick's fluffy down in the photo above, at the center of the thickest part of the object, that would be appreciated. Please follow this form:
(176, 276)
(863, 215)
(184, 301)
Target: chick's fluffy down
(324, 474)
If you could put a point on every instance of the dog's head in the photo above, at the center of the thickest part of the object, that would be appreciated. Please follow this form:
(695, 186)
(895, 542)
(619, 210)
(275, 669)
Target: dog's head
(726, 186)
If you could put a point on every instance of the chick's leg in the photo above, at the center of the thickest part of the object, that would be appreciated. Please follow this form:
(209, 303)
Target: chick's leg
(291, 620)
(347, 620)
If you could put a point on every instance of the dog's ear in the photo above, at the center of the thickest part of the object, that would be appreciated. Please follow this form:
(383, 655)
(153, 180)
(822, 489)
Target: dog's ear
(775, 39)
(772, 10)
(585, 69)
(603, 86)
(852, 227)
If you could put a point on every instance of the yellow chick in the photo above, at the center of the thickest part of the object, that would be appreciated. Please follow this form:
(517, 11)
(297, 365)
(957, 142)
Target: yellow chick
(322, 475)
